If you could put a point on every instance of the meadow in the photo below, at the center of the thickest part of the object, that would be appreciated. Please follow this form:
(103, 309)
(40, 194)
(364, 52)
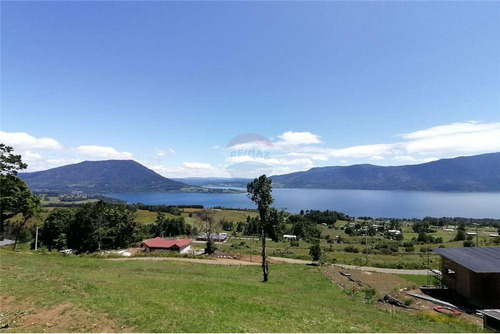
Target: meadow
(78, 293)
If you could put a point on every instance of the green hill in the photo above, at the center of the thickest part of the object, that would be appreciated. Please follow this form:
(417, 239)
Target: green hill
(473, 173)
(99, 177)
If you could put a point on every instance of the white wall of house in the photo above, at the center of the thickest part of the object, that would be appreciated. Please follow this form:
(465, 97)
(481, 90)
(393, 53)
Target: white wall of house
(185, 249)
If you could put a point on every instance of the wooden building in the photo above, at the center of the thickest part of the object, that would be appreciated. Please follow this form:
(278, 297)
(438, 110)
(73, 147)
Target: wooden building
(472, 272)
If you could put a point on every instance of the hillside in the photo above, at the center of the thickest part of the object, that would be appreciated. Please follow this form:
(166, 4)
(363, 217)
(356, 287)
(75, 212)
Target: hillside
(52, 293)
(473, 173)
(97, 177)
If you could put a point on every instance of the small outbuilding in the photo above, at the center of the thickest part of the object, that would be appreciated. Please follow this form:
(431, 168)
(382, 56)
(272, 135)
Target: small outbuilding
(472, 272)
(158, 245)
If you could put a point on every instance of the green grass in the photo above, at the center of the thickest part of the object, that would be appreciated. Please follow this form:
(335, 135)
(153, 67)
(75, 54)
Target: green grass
(167, 296)
(420, 280)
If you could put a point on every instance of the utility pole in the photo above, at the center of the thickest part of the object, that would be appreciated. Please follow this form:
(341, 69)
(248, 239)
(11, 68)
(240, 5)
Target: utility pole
(36, 239)
(366, 243)
(477, 235)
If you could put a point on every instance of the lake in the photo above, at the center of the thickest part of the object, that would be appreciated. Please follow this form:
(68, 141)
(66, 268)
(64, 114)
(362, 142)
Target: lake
(374, 203)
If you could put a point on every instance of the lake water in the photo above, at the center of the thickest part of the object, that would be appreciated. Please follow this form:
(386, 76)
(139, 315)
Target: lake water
(374, 203)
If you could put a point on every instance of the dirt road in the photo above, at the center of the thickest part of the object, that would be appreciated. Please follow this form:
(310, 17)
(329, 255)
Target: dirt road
(287, 260)
(385, 270)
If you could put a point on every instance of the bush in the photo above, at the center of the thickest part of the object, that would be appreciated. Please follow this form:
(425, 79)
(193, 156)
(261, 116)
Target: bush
(370, 294)
(315, 252)
(468, 243)
(351, 249)
(409, 249)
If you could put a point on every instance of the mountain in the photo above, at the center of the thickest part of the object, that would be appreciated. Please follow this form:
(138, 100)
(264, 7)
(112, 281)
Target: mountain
(473, 173)
(100, 177)
(215, 181)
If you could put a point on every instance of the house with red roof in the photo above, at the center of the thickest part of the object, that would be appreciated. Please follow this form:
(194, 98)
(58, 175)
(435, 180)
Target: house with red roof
(159, 244)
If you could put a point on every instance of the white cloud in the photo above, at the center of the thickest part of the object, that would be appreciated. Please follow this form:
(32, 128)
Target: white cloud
(410, 159)
(28, 155)
(291, 138)
(442, 141)
(485, 139)
(106, 152)
(361, 151)
(450, 129)
(163, 153)
(196, 165)
(21, 141)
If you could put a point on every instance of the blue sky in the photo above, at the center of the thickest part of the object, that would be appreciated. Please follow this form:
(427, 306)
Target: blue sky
(169, 84)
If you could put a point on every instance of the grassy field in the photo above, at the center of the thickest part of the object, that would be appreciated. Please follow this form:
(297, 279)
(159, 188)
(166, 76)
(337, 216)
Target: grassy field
(420, 280)
(164, 296)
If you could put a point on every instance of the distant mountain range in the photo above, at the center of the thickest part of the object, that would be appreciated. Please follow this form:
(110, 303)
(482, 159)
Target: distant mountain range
(215, 181)
(473, 173)
(98, 177)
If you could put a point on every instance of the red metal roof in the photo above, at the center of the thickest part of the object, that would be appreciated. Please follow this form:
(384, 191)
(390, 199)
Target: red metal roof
(166, 243)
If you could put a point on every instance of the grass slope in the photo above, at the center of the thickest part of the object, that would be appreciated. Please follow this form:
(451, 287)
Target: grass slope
(163, 296)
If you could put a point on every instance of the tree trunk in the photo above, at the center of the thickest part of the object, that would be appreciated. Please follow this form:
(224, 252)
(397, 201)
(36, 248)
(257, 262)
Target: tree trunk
(265, 268)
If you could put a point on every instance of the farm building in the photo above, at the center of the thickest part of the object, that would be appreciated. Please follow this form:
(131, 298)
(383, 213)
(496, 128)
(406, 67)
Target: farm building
(158, 245)
(472, 272)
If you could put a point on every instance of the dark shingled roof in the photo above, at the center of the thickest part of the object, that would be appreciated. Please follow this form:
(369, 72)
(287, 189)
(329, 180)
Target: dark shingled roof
(477, 259)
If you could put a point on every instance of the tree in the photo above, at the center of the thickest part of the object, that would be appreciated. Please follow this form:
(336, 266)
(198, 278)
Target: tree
(10, 163)
(207, 218)
(30, 207)
(13, 190)
(15, 197)
(315, 252)
(102, 226)
(259, 191)
(461, 235)
(55, 227)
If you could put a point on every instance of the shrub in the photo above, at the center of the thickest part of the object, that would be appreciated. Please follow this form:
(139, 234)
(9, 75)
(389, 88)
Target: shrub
(408, 301)
(370, 294)
(315, 252)
(409, 249)
(351, 249)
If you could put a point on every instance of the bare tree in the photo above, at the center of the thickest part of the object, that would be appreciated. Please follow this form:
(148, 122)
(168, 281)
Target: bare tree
(210, 225)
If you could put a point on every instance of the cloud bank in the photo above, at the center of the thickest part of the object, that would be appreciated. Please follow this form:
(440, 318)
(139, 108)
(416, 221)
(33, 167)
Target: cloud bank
(290, 151)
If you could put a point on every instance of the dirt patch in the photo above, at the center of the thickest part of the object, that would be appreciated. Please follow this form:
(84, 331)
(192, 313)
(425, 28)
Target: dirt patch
(24, 316)
(384, 283)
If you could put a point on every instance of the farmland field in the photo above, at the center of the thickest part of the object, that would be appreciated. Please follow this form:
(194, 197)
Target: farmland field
(57, 293)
